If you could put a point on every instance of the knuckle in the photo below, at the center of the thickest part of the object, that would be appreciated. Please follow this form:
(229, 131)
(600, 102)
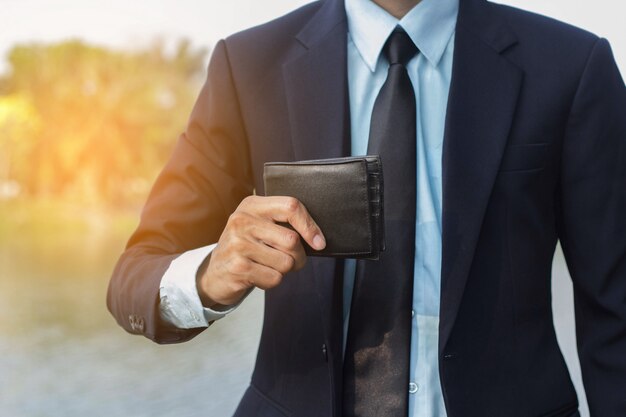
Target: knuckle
(291, 239)
(286, 264)
(269, 280)
(240, 266)
(238, 245)
(274, 279)
(247, 201)
(292, 205)
(237, 219)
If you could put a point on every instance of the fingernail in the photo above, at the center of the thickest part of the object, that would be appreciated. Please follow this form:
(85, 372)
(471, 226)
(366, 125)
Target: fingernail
(318, 242)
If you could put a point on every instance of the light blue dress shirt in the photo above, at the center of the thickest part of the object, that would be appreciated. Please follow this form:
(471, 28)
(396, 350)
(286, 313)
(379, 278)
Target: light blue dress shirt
(431, 25)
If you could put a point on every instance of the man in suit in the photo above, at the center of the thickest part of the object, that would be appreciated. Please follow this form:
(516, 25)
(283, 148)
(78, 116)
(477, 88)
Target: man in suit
(521, 141)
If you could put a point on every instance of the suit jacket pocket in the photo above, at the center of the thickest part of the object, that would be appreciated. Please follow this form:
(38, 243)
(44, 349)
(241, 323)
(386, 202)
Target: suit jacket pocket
(524, 157)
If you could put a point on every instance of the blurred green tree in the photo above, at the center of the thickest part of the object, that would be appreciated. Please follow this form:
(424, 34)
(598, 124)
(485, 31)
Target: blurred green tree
(86, 123)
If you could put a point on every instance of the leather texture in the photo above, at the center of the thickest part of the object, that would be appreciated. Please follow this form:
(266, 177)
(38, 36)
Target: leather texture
(343, 195)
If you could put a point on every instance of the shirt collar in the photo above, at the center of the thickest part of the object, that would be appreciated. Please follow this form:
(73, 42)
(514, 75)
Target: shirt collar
(430, 25)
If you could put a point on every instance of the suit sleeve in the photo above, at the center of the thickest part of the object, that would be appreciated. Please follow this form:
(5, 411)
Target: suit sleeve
(592, 228)
(207, 176)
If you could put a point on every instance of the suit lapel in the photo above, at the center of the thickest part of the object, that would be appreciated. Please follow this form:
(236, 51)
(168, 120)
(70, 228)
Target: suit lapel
(317, 98)
(481, 106)
(316, 87)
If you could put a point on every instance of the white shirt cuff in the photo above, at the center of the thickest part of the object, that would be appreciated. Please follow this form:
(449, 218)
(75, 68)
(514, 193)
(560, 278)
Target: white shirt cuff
(180, 303)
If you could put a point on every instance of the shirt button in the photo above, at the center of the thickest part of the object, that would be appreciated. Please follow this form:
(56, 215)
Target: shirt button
(413, 388)
(412, 313)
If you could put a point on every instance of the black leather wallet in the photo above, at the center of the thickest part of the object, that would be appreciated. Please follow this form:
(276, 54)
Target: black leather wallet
(343, 195)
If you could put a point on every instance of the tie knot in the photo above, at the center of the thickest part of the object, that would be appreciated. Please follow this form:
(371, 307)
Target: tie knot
(399, 48)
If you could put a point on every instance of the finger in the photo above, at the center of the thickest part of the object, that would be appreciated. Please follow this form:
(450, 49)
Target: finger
(272, 258)
(289, 209)
(266, 278)
(245, 227)
(299, 255)
(272, 234)
(255, 274)
(281, 238)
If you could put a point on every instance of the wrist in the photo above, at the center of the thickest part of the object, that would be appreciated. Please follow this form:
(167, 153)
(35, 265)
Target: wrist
(206, 301)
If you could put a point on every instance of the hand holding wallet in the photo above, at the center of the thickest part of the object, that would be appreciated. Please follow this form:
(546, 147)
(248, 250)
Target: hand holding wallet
(343, 195)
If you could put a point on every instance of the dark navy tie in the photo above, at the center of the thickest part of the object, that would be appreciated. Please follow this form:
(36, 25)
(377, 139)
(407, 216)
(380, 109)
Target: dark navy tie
(377, 357)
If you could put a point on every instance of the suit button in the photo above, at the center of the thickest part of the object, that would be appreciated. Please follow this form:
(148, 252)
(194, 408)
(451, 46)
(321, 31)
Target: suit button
(137, 323)
(140, 325)
(325, 351)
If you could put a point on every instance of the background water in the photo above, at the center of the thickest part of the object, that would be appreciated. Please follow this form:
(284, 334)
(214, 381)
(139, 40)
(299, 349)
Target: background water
(62, 354)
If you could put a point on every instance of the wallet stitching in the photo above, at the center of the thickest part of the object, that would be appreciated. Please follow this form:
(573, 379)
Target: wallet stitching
(368, 215)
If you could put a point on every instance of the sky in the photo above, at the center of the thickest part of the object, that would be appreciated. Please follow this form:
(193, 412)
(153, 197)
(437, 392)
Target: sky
(135, 23)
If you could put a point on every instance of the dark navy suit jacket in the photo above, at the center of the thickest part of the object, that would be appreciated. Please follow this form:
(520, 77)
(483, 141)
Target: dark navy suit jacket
(534, 152)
